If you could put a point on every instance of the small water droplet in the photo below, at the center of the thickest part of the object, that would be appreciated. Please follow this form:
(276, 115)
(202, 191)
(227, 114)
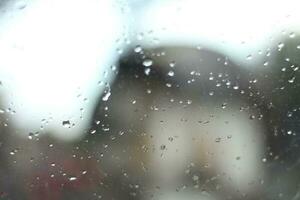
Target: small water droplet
(266, 63)
(147, 62)
(224, 105)
(66, 123)
(249, 57)
(291, 80)
(163, 147)
(147, 71)
(168, 85)
(171, 73)
(195, 178)
(172, 64)
(292, 35)
(235, 87)
(106, 96)
(280, 46)
(73, 178)
(252, 117)
(138, 49)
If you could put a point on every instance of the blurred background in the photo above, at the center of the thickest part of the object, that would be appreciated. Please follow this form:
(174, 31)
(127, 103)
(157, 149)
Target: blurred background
(149, 99)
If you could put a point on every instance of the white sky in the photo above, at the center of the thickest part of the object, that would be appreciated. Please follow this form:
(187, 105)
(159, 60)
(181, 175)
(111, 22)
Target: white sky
(53, 51)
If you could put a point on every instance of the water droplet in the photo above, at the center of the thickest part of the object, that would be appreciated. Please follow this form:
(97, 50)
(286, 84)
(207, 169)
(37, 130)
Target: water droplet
(73, 178)
(147, 62)
(66, 123)
(30, 136)
(249, 57)
(235, 87)
(195, 178)
(292, 35)
(168, 85)
(163, 147)
(138, 49)
(224, 105)
(291, 80)
(106, 96)
(266, 63)
(147, 71)
(280, 46)
(171, 73)
(172, 64)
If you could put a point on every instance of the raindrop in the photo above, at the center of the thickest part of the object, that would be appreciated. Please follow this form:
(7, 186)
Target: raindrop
(147, 62)
(292, 35)
(147, 71)
(106, 96)
(280, 46)
(235, 87)
(172, 64)
(163, 147)
(168, 85)
(291, 80)
(138, 49)
(66, 123)
(224, 105)
(171, 73)
(252, 117)
(249, 57)
(195, 178)
(30, 136)
(266, 63)
(72, 178)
